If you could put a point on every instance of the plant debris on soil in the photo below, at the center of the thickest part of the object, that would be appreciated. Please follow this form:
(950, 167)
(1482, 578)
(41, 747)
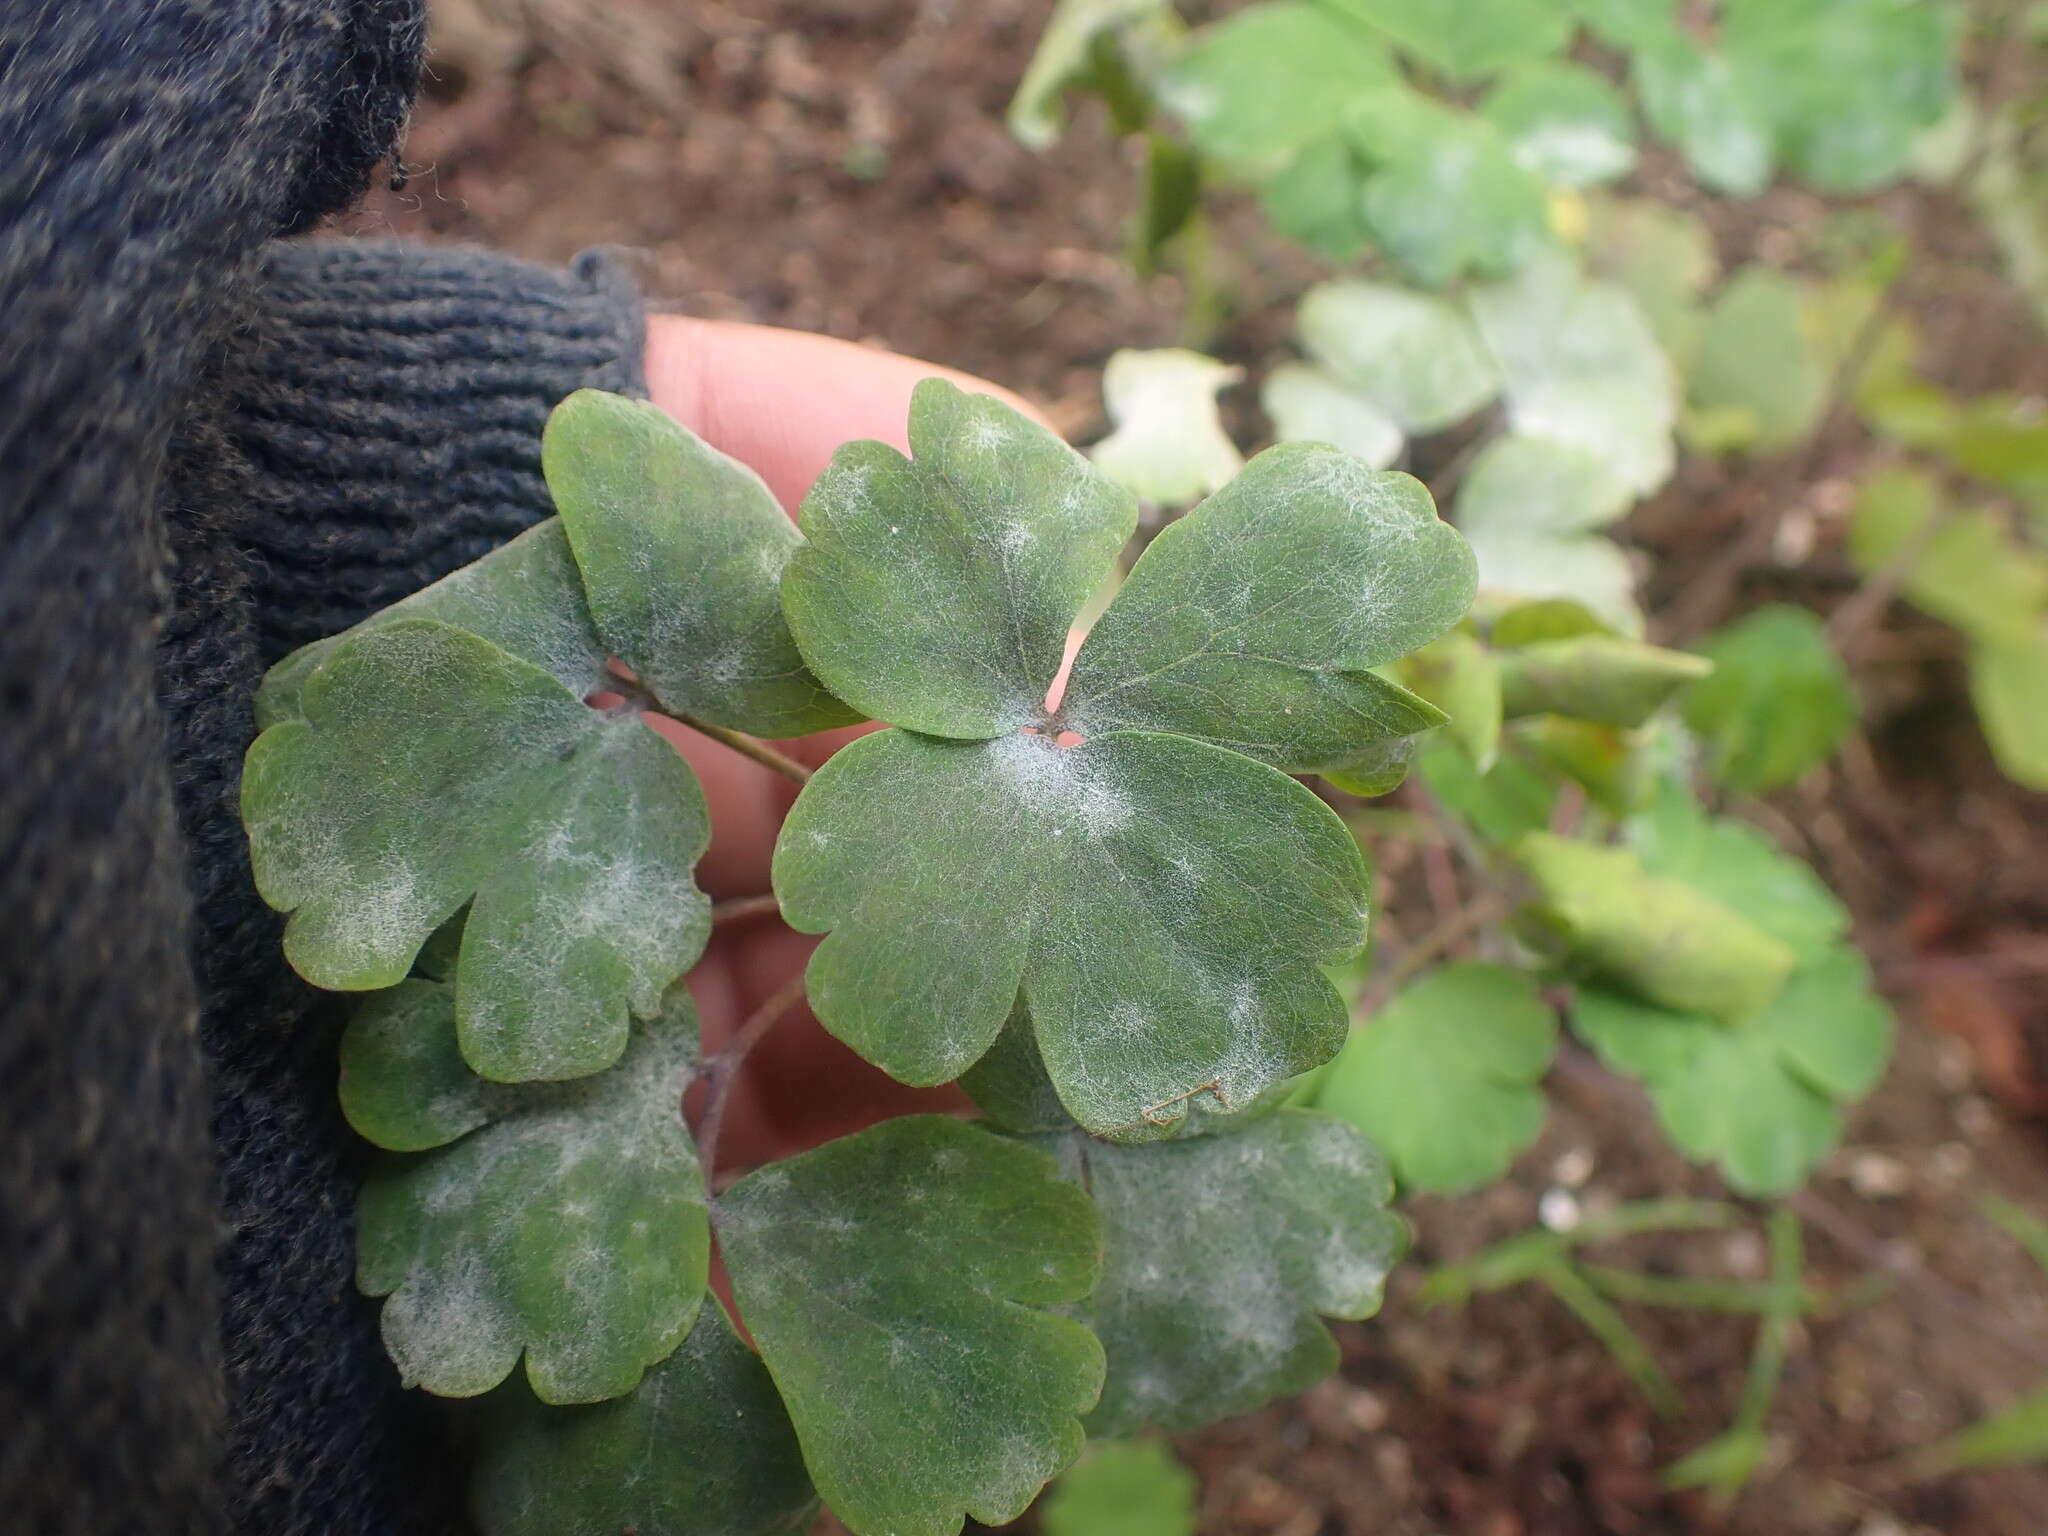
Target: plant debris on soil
(842, 166)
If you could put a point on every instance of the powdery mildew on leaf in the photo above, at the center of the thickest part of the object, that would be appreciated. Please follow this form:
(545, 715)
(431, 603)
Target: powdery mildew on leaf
(1162, 904)
(1414, 355)
(1219, 1254)
(429, 766)
(1254, 621)
(569, 1228)
(682, 551)
(702, 1447)
(897, 1283)
(935, 592)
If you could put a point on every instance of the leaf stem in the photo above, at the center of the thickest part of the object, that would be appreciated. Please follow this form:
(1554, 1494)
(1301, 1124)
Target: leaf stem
(743, 907)
(746, 746)
(723, 1070)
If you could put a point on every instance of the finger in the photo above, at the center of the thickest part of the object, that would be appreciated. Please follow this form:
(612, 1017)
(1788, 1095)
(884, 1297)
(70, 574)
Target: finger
(783, 401)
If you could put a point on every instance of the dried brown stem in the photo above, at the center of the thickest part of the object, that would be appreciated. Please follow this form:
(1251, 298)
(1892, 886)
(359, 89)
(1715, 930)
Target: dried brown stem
(723, 1070)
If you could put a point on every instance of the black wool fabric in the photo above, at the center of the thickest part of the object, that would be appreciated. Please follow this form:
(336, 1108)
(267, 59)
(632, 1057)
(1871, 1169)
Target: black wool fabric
(213, 447)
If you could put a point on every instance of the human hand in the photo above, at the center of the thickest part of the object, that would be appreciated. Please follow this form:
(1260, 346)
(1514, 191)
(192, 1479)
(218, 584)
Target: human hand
(780, 401)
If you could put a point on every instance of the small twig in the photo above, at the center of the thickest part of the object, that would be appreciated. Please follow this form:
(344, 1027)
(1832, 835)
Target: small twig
(743, 907)
(746, 746)
(723, 1070)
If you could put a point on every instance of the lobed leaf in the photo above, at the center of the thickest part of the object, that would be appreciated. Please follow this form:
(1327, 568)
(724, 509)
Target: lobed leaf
(1565, 123)
(1122, 1488)
(936, 592)
(1447, 1077)
(1413, 355)
(1168, 447)
(1254, 621)
(1756, 368)
(2009, 686)
(1063, 55)
(682, 551)
(702, 1447)
(1778, 703)
(1162, 904)
(1309, 405)
(1526, 506)
(567, 1225)
(428, 768)
(896, 1282)
(1219, 1252)
(1472, 38)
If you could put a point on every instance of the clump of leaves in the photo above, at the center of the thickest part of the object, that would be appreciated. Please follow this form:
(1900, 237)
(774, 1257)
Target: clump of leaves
(1106, 912)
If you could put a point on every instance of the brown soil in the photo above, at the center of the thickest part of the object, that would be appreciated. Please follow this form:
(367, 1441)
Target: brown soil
(841, 165)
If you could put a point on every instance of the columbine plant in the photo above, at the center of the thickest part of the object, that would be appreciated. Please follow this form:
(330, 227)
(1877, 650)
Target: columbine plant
(1106, 914)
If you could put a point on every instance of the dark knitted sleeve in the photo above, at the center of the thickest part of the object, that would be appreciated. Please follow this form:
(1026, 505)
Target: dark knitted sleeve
(374, 422)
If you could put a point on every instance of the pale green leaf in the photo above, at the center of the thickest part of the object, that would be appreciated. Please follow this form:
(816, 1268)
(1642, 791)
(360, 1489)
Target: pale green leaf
(1443, 195)
(1603, 760)
(1168, 447)
(1115, 883)
(682, 551)
(1317, 199)
(1778, 703)
(1589, 570)
(1472, 38)
(2009, 686)
(1660, 939)
(1447, 1077)
(1533, 486)
(429, 767)
(1062, 56)
(1461, 677)
(936, 592)
(1662, 255)
(2016, 1437)
(1581, 367)
(1122, 1488)
(1544, 618)
(1600, 679)
(1565, 123)
(1966, 569)
(1219, 1252)
(1266, 83)
(1310, 405)
(1254, 621)
(525, 597)
(1379, 770)
(1627, 23)
(1414, 355)
(1755, 358)
(1501, 805)
(569, 1228)
(896, 1282)
(1711, 111)
(702, 1447)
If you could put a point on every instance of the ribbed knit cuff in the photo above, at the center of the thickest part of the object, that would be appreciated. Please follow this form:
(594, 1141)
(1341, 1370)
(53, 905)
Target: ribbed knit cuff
(387, 402)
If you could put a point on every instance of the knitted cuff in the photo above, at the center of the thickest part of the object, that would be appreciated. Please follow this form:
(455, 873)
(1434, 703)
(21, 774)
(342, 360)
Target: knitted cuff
(386, 401)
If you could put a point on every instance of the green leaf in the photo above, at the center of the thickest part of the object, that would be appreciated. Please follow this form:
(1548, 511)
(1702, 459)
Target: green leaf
(1565, 123)
(1317, 199)
(1664, 257)
(2009, 686)
(702, 1447)
(1009, 1084)
(1756, 359)
(1848, 84)
(1969, 571)
(404, 1084)
(2016, 1437)
(1447, 1077)
(1581, 367)
(1662, 940)
(895, 1281)
(1115, 883)
(1595, 678)
(1710, 110)
(936, 592)
(1063, 56)
(1443, 196)
(525, 597)
(1471, 39)
(1627, 23)
(2003, 438)
(1263, 85)
(682, 552)
(430, 767)
(1502, 805)
(1218, 1254)
(1379, 770)
(1462, 678)
(1254, 621)
(1122, 1488)
(1309, 405)
(1759, 1098)
(1169, 447)
(1778, 703)
(569, 1225)
(1545, 618)
(1527, 505)
(1413, 355)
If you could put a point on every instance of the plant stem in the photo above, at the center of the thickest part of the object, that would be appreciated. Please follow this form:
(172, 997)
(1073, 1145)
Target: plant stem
(1621, 1341)
(746, 746)
(741, 907)
(723, 1070)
